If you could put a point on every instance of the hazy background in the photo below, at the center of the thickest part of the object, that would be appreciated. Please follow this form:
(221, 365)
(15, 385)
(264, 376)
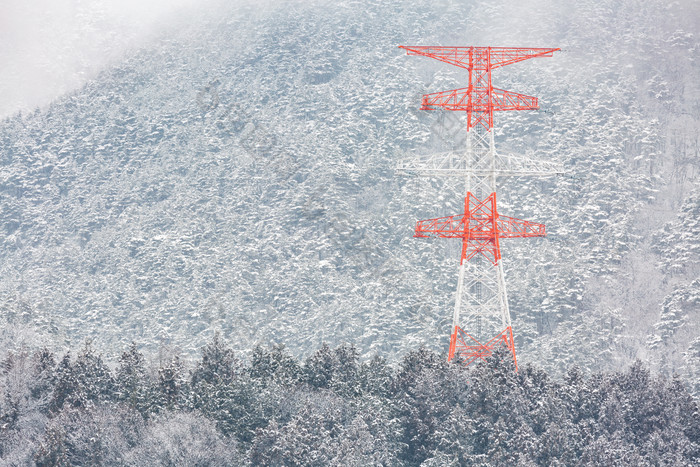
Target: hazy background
(50, 47)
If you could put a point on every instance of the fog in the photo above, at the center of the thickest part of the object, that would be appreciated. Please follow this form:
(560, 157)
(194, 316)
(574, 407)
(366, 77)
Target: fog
(51, 47)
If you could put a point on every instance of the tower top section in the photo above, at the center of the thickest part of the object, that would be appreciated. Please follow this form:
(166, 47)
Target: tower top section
(479, 99)
(463, 56)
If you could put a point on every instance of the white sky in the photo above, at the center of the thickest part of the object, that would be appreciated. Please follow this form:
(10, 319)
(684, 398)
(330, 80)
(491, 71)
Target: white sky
(50, 47)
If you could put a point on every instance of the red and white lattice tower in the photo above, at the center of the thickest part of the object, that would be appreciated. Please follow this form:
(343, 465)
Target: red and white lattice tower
(481, 318)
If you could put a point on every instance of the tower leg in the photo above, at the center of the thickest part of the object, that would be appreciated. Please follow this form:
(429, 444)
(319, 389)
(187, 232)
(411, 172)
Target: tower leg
(453, 341)
(481, 317)
(481, 312)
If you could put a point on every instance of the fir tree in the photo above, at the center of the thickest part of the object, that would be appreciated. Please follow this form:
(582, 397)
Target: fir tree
(131, 384)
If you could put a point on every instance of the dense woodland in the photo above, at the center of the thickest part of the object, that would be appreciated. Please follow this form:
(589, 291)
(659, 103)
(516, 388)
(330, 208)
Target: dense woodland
(333, 409)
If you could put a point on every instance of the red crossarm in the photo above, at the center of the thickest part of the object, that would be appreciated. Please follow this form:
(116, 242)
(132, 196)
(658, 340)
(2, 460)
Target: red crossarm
(461, 56)
(480, 99)
(480, 228)
(510, 227)
(458, 99)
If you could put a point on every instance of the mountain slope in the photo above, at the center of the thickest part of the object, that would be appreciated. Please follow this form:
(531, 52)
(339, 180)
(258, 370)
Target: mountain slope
(238, 175)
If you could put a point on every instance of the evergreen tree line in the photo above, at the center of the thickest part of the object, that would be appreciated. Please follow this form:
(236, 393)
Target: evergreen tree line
(334, 409)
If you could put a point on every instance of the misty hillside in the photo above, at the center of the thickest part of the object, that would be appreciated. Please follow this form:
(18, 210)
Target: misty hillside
(237, 175)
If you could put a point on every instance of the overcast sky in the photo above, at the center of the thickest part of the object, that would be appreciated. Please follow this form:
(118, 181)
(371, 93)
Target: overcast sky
(50, 47)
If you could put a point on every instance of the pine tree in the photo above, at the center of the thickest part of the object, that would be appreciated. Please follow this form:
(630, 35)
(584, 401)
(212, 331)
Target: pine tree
(93, 378)
(424, 397)
(218, 364)
(65, 388)
(345, 379)
(52, 451)
(44, 364)
(131, 384)
(275, 364)
(375, 377)
(171, 385)
(319, 367)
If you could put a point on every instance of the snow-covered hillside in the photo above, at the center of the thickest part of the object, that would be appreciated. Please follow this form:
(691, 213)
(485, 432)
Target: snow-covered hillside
(238, 175)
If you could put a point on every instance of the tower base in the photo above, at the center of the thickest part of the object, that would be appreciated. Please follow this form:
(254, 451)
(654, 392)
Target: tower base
(466, 349)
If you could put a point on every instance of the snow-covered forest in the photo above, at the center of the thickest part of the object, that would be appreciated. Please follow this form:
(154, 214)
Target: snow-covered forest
(234, 173)
(334, 409)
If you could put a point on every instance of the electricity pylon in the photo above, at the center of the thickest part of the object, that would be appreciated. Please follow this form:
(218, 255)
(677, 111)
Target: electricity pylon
(481, 302)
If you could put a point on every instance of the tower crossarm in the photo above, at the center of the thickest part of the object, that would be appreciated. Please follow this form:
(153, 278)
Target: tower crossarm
(458, 99)
(508, 100)
(463, 57)
(442, 227)
(510, 227)
(480, 228)
(514, 165)
(458, 56)
(502, 56)
(477, 227)
(454, 164)
(480, 99)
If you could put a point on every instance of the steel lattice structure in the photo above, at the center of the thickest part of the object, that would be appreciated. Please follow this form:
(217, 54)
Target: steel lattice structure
(480, 228)
(481, 303)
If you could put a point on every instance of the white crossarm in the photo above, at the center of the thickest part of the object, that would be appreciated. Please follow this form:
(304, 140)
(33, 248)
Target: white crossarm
(452, 164)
